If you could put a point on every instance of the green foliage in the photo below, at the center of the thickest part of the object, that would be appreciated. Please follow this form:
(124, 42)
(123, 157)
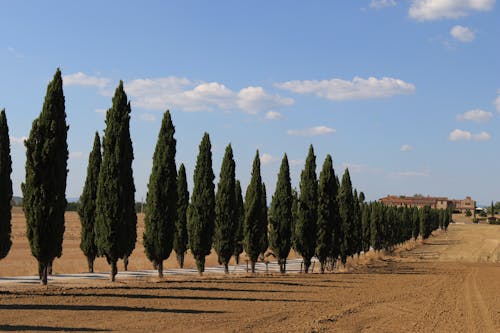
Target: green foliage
(468, 213)
(264, 237)
(116, 219)
(365, 227)
(328, 213)
(225, 210)
(347, 214)
(5, 187)
(295, 215)
(45, 183)
(305, 229)
(280, 228)
(181, 235)
(87, 206)
(161, 201)
(201, 212)
(415, 222)
(357, 225)
(252, 229)
(239, 220)
(376, 218)
(425, 222)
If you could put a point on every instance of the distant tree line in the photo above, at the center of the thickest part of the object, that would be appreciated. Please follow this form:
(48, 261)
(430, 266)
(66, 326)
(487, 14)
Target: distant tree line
(325, 218)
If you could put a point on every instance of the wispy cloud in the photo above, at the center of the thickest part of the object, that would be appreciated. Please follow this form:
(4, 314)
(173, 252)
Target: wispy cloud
(475, 115)
(497, 101)
(312, 131)
(379, 4)
(101, 111)
(147, 117)
(267, 159)
(82, 79)
(15, 53)
(361, 168)
(461, 135)
(357, 88)
(462, 34)
(273, 115)
(76, 155)
(297, 162)
(406, 148)
(410, 174)
(17, 140)
(426, 10)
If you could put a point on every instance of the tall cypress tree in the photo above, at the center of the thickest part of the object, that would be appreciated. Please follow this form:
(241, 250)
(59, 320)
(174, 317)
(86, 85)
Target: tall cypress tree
(264, 238)
(375, 226)
(239, 222)
(280, 226)
(5, 187)
(295, 216)
(327, 212)
(87, 207)
(225, 210)
(116, 220)
(252, 229)
(45, 185)
(358, 229)
(181, 236)
(347, 214)
(365, 225)
(305, 229)
(161, 200)
(425, 222)
(201, 212)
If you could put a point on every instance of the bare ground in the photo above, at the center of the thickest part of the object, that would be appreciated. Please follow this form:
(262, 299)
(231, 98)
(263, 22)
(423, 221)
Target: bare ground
(449, 284)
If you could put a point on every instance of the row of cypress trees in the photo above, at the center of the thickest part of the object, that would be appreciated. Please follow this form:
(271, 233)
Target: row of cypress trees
(328, 220)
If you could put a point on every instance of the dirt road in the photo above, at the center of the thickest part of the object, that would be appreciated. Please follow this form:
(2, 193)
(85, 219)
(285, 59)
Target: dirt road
(416, 291)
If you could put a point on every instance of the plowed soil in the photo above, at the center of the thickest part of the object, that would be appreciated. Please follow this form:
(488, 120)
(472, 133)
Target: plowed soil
(450, 283)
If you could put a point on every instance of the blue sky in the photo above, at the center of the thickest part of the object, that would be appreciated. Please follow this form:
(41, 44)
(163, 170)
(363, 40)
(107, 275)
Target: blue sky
(404, 93)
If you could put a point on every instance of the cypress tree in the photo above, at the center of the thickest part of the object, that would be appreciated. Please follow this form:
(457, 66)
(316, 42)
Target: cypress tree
(347, 214)
(225, 210)
(45, 183)
(365, 225)
(201, 212)
(5, 187)
(87, 207)
(375, 226)
(449, 213)
(295, 215)
(264, 239)
(305, 229)
(425, 222)
(357, 228)
(415, 222)
(239, 220)
(281, 216)
(116, 219)
(327, 212)
(181, 236)
(161, 200)
(252, 229)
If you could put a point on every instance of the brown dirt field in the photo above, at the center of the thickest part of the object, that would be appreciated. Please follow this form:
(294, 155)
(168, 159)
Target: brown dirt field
(448, 284)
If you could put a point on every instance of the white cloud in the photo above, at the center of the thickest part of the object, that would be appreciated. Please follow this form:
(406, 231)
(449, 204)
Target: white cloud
(407, 174)
(297, 162)
(425, 10)
(20, 140)
(497, 102)
(173, 92)
(147, 117)
(406, 148)
(460, 135)
(82, 79)
(462, 34)
(273, 115)
(76, 155)
(357, 88)
(475, 115)
(101, 111)
(378, 4)
(267, 159)
(312, 131)
(360, 168)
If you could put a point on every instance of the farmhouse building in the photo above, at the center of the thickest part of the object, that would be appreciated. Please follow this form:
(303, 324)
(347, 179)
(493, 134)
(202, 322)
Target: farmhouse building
(434, 202)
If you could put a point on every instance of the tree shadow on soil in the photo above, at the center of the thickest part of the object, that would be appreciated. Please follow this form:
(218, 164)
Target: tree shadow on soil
(67, 307)
(13, 328)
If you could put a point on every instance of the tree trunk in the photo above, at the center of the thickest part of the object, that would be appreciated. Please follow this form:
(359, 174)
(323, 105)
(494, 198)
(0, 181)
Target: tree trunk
(226, 268)
(114, 270)
(49, 267)
(284, 265)
(160, 269)
(90, 262)
(125, 263)
(323, 264)
(44, 275)
(40, 270)
(307, 263)
(237, 259)
(180, 259)
(252, 264)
